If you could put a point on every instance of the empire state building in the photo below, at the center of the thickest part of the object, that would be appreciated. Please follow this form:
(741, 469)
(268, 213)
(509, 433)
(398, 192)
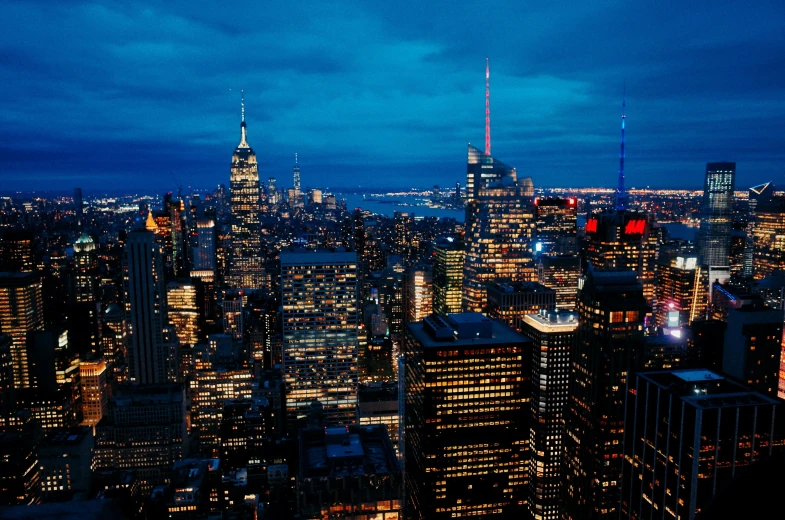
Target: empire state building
(246, 266)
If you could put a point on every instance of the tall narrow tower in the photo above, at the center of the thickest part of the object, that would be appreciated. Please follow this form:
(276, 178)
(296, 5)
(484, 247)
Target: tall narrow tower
(621, 191)
(487, 108)
(246, 269)
(296, 174)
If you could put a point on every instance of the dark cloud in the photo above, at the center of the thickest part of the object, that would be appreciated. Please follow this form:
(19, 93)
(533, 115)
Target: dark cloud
(132, 94)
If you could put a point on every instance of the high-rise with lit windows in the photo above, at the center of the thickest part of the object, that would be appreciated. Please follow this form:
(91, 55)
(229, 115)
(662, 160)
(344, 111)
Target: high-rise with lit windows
(622, 239)
(689, 433)
(561, 273)
(86, 263)
(500, 222)
(768, 237)
(552, 334)
(246, 267)
(448, 255)
(183, 311)
(714, 236)
(609, 341)
(678, 291)
(419, 293)
(320, 346)
(557, 225)
(21, 312)
(95, 391)
(466, 426)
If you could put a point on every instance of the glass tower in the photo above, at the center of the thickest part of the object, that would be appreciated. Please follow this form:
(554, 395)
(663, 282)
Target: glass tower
(716, 214)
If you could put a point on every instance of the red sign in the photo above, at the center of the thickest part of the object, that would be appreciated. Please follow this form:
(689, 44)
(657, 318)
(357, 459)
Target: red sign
(635, 227)
(591, 225)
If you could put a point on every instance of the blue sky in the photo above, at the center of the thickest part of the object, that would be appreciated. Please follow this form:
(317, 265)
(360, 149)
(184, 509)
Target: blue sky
(119, 95)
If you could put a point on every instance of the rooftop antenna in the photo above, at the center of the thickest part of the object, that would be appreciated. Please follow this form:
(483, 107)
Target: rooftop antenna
(621, 192)
(487, 108)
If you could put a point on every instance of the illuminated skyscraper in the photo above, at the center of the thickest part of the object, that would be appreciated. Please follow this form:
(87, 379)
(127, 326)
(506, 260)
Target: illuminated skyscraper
(557, 225)
(609, 340)
(466, 391)
(500, 225)
(689, 433)
(246, 265)
(319, 301)
(16, 251)
(419, 294)
(145, 308)
(21, 312)
(552, 335)
(183, 311)
(769, 237)
(622, 240)
(510, 302)
(447, 275)
(561, 273)
(716, 214)
(679, 293)
(204, 258)
(95, 391)
(86, 260)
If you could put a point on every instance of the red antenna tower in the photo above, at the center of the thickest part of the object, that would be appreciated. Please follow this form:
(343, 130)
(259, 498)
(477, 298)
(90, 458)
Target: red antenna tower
(487, 108)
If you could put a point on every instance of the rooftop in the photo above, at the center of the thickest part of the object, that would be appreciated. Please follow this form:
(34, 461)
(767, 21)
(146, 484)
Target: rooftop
(705, 389)
(463, 329)
(317, 257)
(346, 451)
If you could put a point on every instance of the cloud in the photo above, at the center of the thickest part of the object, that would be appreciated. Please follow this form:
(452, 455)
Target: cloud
(124, 94)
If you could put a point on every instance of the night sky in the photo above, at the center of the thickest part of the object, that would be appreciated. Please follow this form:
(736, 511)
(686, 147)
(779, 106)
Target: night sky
(129, 95)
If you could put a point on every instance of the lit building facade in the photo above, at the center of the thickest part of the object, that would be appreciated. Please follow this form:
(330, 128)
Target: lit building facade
(768, 237)
(561, 273)
(716, 214)
(622, 240)
(204, 257)
(211, 389)
(552, 334)
(609, 338)
(753, 347)
(86, 264)
(246, 267)
(510, 302)
(557, 225)
(500, 224)
(678, 291)
(95, 391)
(183, 311)
(466, 426)
(320, 325)
(419, 293)
(689, 433)
(448, 257)
(21, 312)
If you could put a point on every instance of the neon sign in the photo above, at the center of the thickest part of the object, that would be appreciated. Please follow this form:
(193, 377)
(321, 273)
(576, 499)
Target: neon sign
(591, 225)
(635, 227)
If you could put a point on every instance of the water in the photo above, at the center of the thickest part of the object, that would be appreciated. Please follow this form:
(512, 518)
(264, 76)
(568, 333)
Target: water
(408, 204)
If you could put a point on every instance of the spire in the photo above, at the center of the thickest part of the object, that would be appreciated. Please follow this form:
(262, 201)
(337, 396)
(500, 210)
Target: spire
(296, 172)
(621, 191)
(150, 224)
(243, 135)
(487, 108)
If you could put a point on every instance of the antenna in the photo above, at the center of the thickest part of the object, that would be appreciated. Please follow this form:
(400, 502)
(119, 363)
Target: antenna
(621, 192)
(242, 106)
(487, 108)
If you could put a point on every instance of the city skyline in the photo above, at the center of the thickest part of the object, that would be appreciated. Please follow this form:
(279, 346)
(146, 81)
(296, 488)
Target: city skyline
(358, 78)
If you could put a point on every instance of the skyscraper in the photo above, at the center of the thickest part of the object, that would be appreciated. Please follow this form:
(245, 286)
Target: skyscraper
(609, 339)
(419, 293)
(145, 308)
(678, 291)
(183, 311)
(689, 433)
(204, 258)
(95, 392)
(319, 301)
(246, 265)
(466, 391)
(21, 312)
(716, 214)
(557, 225)
(767, 236)
(86, 260)
(499, 238)
(552, 334)
(448, 255)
